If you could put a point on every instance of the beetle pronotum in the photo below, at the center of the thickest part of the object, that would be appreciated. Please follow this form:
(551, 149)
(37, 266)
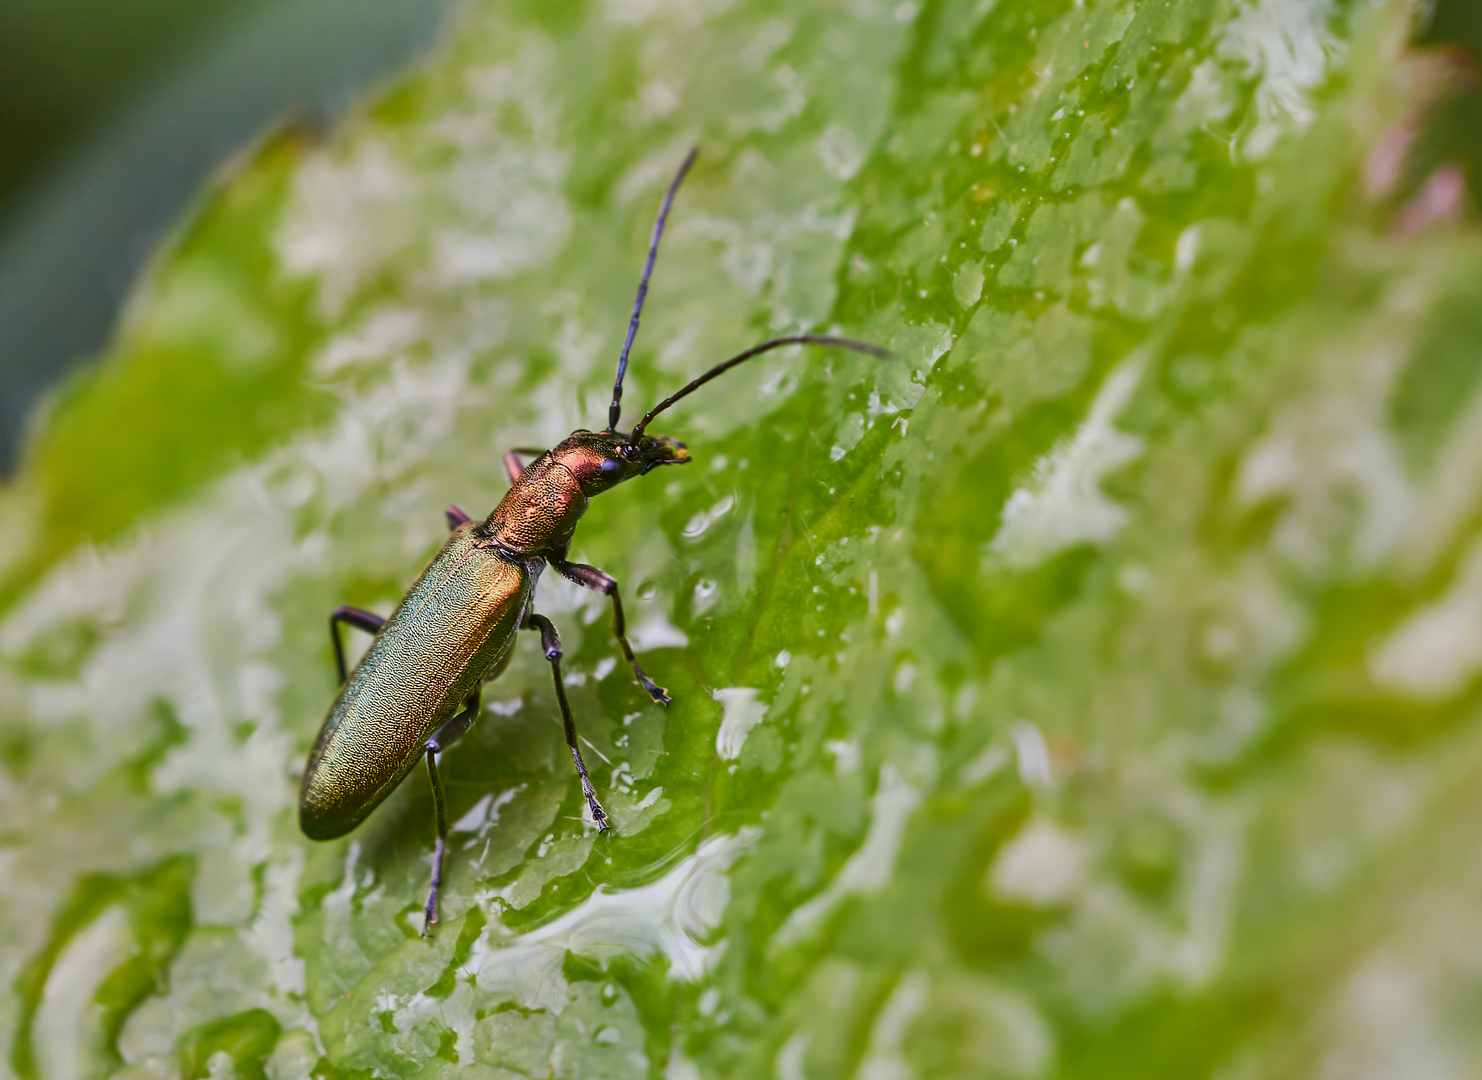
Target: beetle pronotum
(416, 690)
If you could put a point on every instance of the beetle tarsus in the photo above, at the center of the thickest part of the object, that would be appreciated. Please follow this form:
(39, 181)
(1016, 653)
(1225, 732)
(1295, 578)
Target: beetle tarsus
(429, 912)
(655, 691)
(599, 815)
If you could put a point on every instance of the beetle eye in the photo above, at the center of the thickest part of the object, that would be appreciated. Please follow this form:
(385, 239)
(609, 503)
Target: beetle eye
(609, 466)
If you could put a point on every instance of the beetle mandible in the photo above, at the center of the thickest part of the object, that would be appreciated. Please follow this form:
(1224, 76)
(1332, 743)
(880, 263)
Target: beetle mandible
(416, 690)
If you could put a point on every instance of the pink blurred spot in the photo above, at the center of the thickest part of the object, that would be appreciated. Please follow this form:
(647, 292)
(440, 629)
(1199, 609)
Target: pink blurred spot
(1386, 161)
(1442, 199)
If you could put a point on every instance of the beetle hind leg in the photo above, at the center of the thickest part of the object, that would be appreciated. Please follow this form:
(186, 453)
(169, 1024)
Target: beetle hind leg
(443, 738)
(368, 621)
(550, 641)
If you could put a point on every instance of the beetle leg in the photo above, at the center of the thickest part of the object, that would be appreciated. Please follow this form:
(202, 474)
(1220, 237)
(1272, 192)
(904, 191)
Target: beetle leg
(550, 641)
(514, 468)
(359, 618)
(592, 578)
(456, 516)
(443, 738)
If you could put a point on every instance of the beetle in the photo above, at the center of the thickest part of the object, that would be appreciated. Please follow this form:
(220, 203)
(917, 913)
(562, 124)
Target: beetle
(416, 690)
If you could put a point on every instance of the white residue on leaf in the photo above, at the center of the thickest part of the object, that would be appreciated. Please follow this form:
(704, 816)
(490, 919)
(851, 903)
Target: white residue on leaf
(839, 150)
(1436, 652)
(1033, 755)
(1064, 504)
(1043, 865)
(496, 208)
(1249, 625)
(657, 632)
(884, 1060)
(200, 645)
(1335, 462)
(1186, 250)
(938, 342)
(742, 712)
(1003, 1032)
(510, 212)
(656, 100)
(1451, 493)
(1393, 1016)
(847, 754)
(1209, 889)
(980, 768)
(851, 429)
(869, 868)
(67, 1031)
(348, 220)
(381, 335)
(1286, 44)
(671, 917)
(967, 283)
(698, 525)
(789, 1061)
(484, 814)
(1112, 949)
(899, 383)
(683, 12)
(1203, 101)
(766, 248)
(681, 1067)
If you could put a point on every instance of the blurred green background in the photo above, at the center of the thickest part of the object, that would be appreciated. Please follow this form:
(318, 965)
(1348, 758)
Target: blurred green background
(113, 117)
(1092, 690)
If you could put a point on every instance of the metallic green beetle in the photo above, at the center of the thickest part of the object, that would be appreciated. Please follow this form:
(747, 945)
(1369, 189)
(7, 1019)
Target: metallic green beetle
(416, 690)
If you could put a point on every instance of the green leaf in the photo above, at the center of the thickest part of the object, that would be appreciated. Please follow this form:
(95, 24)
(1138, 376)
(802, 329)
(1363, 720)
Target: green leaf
(1091, 688)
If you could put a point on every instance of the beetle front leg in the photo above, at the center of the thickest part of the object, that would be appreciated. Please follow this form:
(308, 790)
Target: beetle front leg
(443, 738)
(514, 468)
(550, 641)
(592, 578)
(359, 618)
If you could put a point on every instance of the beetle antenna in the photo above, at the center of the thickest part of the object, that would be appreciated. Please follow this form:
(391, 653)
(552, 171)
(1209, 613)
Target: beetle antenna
(756, 350)
(616, 409)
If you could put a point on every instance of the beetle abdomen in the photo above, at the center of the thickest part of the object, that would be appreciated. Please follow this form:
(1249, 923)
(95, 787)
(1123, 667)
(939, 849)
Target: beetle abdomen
(456, 622)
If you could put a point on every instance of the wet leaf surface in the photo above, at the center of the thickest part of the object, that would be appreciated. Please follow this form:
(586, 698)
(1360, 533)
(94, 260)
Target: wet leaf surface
(1094, 682)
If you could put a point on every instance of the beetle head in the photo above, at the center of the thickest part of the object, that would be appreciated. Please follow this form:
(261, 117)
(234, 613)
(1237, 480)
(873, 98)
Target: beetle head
(603, 459)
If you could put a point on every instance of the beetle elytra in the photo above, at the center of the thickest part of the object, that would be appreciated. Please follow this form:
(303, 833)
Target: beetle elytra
(416, 690)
